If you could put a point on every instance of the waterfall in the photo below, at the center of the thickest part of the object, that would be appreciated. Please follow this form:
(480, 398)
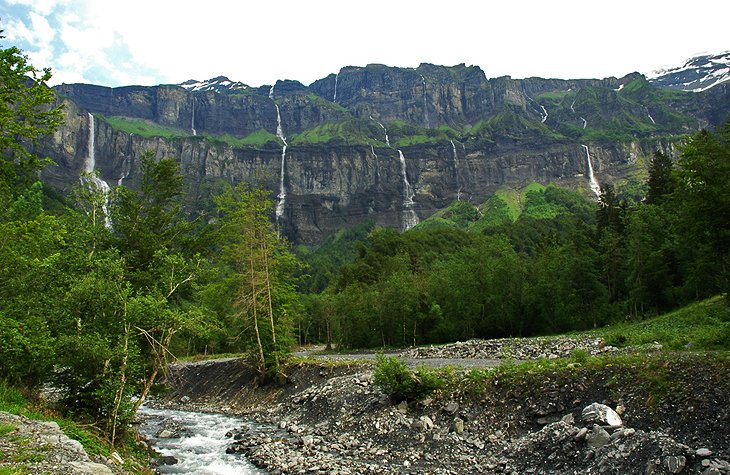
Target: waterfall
(336, 78)
(282, 188)
(456, 171)
(387, 141)
(271, 92)
(425, 102)
(192, 119)
(585, 122)
(593, 183)
(90, 171)
(410, 218)
(544, 117)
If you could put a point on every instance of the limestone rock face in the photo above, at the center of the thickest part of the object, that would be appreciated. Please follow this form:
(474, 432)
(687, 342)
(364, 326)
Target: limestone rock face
(461, 136)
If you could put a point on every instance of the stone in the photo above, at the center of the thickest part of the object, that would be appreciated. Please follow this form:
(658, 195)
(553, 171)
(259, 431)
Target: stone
(402, 407)
(703, 452)
(427, 422)
(167, 460)
(598, 437)
(90, 468)
(166, 434)
(581, 434)
(675, 464)
(451, 408)
(458, 425)
(601, 414)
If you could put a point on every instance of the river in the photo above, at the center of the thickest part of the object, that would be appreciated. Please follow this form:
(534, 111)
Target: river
(199, 443)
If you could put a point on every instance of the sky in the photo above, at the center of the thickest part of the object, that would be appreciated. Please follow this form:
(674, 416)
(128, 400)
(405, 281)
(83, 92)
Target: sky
(149, 42)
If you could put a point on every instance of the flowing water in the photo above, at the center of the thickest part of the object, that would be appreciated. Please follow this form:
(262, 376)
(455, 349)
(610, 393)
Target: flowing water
(425, 102)
(410, 218)
(456, 171)
(336, 78)
(199, 446)
(593, 182)
(387, 141)
(192, 120)
(90, 170)
(282, 188)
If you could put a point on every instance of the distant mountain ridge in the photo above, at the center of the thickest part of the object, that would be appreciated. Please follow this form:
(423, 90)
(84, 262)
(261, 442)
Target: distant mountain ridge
(376, 142)
(697, 74)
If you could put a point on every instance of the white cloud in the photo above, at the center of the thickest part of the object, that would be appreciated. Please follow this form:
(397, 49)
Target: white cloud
(149, 42)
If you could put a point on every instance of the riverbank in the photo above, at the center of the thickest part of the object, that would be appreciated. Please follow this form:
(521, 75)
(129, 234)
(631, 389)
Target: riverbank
(675, 411)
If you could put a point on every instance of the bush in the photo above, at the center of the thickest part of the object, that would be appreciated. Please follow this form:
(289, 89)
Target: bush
(400, 383)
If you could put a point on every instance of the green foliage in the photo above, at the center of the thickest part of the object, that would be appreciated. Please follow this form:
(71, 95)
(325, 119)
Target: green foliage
(144, 128)
(27, 115)
(400, 383)
(699, 326)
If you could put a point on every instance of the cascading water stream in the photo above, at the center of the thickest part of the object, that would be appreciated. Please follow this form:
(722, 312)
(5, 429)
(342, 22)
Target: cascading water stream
(90, 170)
(425, 102)
(192, 118)
(387, 141)
(544, 117)
(282, 187)
(593, 183)
(585, 122)
(456, 171)
(200, 447)
(410, 218)
(337, 76)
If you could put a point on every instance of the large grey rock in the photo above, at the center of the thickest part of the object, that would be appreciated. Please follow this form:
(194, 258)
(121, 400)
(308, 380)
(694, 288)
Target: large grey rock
(598, 437)
(597, 413)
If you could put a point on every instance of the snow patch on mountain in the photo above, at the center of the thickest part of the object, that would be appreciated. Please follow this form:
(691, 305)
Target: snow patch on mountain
(696, 74)
(218, 84)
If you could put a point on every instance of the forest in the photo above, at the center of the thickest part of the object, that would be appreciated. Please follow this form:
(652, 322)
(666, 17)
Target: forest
(100, 291)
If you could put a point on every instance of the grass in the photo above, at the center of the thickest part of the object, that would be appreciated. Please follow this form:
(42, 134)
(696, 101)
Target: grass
(6, 429)
(703, 325)
(144, 128)
(254, 139)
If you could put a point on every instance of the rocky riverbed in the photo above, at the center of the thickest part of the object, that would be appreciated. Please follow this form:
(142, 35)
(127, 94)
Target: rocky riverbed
(674, 411)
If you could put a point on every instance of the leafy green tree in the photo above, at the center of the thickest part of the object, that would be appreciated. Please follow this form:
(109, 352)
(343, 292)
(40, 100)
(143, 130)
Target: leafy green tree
(150, 220)
(257, 276)
(26, 117)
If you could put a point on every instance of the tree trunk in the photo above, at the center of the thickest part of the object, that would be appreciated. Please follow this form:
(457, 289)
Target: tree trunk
(262, 361)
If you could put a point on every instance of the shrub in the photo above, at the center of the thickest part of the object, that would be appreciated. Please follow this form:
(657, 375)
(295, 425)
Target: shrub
(400, 383)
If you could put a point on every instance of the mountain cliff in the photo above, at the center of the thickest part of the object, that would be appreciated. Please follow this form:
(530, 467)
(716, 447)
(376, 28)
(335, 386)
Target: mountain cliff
(390, 144)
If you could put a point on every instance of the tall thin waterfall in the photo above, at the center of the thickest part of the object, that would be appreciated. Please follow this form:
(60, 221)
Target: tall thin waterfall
(425, 102)
(544, 117)
(593, 183)
(90, 170)
(192, 118)
(456, 171)
(410, 218)
(336, 78)
(387, 141)
(282, 187)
